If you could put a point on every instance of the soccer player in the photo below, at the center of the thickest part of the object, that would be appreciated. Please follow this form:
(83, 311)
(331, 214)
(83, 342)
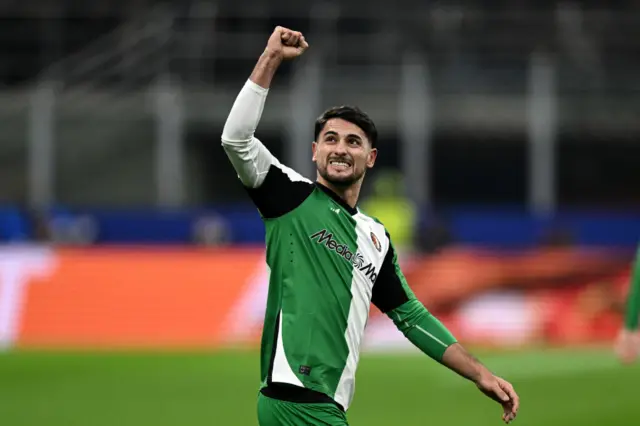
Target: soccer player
(628, 343)
(328, 262)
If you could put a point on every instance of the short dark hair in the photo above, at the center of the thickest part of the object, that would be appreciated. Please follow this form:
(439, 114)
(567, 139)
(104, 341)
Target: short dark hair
(351, 114)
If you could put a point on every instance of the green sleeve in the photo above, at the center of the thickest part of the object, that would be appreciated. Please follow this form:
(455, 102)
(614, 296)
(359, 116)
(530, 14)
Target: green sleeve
(422, 329)
(393, 296)
(633, 298)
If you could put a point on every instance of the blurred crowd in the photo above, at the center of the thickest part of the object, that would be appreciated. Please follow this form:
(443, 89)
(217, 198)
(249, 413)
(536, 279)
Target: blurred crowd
(588, 35)
(473, 47)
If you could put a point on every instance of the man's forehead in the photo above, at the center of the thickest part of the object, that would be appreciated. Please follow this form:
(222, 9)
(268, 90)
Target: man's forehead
(343, 127)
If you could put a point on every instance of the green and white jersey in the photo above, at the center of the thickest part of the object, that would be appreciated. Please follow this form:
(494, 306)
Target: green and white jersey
(328, 263)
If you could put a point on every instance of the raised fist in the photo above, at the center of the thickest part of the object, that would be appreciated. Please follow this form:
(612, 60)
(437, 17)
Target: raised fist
(286, 43)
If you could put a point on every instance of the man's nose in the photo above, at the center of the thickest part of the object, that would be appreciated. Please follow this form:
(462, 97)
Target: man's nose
(341, 148)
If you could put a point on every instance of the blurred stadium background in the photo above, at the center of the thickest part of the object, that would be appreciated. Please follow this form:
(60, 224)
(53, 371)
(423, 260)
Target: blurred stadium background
(131, 277)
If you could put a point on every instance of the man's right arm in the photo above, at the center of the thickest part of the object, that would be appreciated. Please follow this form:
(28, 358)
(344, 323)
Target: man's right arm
(250, 158)
(273, 187)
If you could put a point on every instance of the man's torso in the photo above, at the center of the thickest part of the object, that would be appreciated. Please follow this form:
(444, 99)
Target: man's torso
(324, 259)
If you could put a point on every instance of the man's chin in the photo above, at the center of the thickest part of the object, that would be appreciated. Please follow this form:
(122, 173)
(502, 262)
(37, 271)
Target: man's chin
(340, 180)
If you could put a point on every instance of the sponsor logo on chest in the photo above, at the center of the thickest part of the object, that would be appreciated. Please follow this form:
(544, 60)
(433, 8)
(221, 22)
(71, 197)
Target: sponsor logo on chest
(326, 238)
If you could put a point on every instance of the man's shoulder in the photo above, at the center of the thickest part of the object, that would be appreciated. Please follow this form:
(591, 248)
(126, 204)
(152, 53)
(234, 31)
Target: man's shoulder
(373, 220)
(289, 173)
(378, 233)
(282, 191)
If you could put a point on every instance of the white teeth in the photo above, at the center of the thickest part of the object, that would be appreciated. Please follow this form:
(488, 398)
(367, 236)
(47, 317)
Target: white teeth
(339, 163)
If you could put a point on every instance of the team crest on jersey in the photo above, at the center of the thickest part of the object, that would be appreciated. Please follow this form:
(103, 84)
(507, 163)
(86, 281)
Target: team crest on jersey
(376, 242)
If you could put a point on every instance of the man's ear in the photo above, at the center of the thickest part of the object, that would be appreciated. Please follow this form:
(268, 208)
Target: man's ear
(371, 158)
(314, 147)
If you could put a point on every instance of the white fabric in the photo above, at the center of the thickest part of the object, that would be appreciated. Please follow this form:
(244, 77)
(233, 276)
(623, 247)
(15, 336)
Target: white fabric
(250, 158)
(361, 293)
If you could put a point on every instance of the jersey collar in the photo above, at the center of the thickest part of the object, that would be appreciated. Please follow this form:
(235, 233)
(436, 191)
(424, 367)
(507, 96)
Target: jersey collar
(337, 199)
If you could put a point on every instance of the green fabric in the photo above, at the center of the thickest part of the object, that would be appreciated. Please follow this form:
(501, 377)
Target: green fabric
(422, 329)
(417, 324)
(310, 287)
(633, 299)
(273, 412)
(323, 262)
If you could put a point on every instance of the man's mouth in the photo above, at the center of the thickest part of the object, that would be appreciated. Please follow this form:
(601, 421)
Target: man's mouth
(340, 164)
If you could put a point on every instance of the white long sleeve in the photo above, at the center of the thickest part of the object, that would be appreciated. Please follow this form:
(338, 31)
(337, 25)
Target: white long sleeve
(250, 158)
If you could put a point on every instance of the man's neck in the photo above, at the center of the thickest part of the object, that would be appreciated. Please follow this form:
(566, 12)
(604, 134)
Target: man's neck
(349, 193)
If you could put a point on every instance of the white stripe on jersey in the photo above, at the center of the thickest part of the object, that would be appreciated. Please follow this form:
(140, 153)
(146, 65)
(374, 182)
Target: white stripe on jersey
(282, 372)
(361, 291)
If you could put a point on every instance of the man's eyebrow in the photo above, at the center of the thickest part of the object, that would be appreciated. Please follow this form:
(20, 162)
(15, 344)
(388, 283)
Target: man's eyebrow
(334, 133)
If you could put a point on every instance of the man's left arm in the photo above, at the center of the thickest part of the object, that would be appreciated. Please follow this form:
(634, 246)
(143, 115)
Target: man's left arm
(628, 341)
(393, 296)
(633, 298)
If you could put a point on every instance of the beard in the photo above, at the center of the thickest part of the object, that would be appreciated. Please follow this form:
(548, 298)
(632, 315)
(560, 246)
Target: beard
(341, 181)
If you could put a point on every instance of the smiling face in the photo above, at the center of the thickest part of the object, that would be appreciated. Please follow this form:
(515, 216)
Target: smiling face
(342, 153)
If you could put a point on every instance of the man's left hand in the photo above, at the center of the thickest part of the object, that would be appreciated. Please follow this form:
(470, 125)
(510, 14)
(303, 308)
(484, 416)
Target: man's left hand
(502, 392)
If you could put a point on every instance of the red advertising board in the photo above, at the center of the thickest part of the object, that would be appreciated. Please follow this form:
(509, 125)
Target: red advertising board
(201, 298)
